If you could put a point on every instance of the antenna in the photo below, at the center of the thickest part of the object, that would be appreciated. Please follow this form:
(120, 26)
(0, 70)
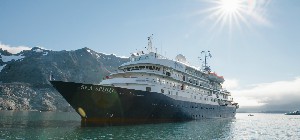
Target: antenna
(206, 55)
(150, 43)
(161, 48)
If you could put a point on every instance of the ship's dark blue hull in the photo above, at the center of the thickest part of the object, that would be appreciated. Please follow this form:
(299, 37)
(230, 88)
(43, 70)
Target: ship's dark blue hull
(103, 105)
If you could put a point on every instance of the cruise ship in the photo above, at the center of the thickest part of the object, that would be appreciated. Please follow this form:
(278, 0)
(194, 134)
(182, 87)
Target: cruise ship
(151, 88)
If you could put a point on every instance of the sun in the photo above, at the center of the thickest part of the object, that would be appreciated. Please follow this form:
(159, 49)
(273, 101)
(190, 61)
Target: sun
(236, 14)
(230, 6)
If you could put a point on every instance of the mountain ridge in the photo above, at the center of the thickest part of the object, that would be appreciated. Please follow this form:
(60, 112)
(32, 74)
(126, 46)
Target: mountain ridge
(24, 77)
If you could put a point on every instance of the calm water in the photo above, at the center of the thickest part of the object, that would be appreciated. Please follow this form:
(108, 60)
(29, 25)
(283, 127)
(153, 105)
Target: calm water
(58, 125)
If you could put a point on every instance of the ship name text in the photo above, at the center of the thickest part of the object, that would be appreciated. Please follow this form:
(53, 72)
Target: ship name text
(97, 88)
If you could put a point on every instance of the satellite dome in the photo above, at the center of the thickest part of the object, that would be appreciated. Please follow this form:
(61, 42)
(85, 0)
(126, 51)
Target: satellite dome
(180, 58)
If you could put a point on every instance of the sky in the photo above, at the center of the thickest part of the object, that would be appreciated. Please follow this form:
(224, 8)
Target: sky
(255, 44)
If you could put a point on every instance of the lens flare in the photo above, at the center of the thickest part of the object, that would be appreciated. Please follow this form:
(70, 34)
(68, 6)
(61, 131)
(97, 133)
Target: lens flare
(237, 13)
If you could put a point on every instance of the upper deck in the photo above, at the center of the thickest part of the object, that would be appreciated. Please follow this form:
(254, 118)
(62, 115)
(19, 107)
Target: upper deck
(179, 65)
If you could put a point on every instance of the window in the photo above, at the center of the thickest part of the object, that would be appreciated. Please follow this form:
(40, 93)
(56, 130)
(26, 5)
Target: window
(158, 80)
(168, 73)
(148, 89)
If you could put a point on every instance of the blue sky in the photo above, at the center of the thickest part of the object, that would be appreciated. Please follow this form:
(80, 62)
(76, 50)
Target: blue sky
(263, 48)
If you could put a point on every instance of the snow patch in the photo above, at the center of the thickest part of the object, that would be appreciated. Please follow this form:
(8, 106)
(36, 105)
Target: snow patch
(46, 53)
(38, 50)
(12, 57)
(1, 67)
(121, 56)
(97, 55)
(89, 51)
(115, 55)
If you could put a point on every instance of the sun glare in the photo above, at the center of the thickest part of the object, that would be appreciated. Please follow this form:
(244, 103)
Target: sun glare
(230, 6)
(237, 13)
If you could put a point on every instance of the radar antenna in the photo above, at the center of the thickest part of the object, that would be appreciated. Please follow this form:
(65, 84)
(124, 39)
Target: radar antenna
(150, 43)
(206, 55)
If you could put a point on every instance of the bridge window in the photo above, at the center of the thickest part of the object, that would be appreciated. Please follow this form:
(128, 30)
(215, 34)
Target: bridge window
(141, 67)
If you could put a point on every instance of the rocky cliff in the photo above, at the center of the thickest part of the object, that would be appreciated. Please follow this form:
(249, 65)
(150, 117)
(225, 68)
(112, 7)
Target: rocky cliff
(24, 77)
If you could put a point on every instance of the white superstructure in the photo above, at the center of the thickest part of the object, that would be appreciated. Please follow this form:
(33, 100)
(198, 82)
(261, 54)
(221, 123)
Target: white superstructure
(175, 78)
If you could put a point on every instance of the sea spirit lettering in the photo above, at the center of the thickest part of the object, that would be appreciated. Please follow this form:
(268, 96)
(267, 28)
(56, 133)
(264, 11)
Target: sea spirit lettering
(97, 88)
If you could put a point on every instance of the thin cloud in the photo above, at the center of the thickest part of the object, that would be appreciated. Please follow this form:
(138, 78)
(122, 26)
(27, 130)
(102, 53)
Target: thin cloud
(13, 50)
(231, 84)
(284, 93)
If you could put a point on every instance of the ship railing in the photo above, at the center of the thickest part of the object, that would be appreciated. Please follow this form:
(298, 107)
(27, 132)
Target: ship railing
(197, 77)
(139, 70)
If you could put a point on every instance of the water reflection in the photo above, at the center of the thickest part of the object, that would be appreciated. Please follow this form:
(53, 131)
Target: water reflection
(201, 129)
(61, 125)
(57, 125)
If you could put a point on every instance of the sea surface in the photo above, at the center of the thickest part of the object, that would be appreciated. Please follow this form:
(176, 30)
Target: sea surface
(65, 125)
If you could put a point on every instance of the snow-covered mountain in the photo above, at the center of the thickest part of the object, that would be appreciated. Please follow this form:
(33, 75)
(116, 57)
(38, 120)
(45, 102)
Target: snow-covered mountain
(24, 76)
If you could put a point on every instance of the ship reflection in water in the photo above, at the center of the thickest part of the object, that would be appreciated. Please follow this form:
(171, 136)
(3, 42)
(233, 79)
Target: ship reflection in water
(65, 125)
(58, 125)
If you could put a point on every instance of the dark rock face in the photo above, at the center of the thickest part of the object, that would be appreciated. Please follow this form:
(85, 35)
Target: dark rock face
(24, 77)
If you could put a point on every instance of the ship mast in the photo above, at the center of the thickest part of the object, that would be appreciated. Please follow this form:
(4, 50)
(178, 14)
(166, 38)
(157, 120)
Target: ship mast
(206, 55)
(150, 43)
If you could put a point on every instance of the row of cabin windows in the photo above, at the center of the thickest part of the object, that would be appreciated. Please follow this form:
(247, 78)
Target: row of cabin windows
(196, 82)
(189, 106)
(165, 71)
(142, 67)
(182, 87)
(172, 84)
(196, 90)
(194, 106)
(195, 97)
